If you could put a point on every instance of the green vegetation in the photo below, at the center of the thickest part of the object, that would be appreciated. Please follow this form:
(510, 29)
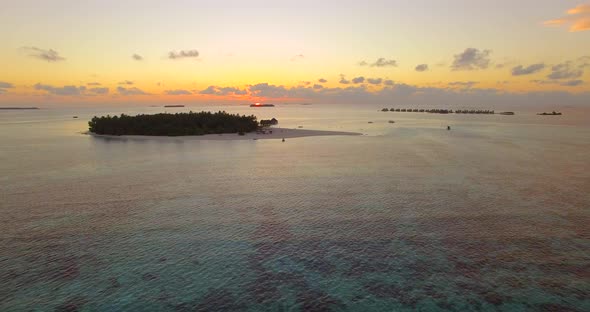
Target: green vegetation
(178, 124)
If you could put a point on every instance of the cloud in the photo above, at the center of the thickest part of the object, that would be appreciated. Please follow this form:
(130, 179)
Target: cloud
(267, 90)
(42, 54)
(488, 98)
(297, 57)
(100, 91)
(375, 81)
(130, 91)
(568, 83)
(126, 82)
(322, 80)
(318, 86)
(215, 90)
(4, 86)
(388, 82)
(343, 80)
(578, 19)
(178, 92)
(572, 83)
(183, 54)
(471, 59)
(94, 84)
(358, 80)
(137, 57)
(422, 68)
(63, 91)
(380, 62)
(531, 69)
(567, 70)
(465, 84)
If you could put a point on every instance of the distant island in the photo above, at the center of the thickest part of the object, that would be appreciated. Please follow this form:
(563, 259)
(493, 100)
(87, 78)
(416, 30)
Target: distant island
(553, 113)
(7, 108)
(174, 105)
(261, 105)
(178, 124)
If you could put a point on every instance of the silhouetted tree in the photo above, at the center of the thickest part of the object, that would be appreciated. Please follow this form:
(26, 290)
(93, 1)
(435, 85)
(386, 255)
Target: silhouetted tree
(178, 124)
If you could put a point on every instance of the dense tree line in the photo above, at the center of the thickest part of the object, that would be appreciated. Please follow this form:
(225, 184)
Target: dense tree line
(178, 124)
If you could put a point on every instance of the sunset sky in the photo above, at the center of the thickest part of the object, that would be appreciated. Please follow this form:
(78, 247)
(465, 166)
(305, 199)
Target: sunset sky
(223, 51)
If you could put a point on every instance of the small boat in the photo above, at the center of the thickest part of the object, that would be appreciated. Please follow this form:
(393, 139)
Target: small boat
(554, 113)
(507, 113)
(391, 121)
(75, 117)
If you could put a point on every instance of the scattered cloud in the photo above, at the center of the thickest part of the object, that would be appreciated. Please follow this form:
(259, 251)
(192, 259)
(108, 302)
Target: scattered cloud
(578, 19)
(358, 80)
(4, 86)
(267, 90)
(297, 57)
(173, 55)
(322, 80)
(178, 92)
(137, 57)
(42, 54)
(566, 70)
(388, 82)
(463, 95)
(531, 69)
(374, 81)
(101, 91)
(568, 83)
(343, 80)
(215, 90)
(130, 91)
(64, 91)
(94, 83)
(464, 84)
(318, 86)
(421, 68)
(572, 83)
(126, 82)
(380, 62)
(471, 59)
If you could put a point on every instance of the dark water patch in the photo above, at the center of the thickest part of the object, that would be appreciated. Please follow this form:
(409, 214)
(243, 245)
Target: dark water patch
(404, 296)
(74, 304)
(149, 276)
(554, 307)
(314, 300)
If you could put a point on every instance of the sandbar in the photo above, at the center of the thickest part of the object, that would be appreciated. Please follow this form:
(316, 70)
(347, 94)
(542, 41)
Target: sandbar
(277, 134)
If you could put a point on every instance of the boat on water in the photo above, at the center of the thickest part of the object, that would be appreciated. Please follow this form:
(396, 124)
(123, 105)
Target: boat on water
(507, 113)
(261, 105)
(175, 105)
(554, 113)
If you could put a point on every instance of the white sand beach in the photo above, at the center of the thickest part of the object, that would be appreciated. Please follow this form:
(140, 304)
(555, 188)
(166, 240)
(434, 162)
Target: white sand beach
(277, 133)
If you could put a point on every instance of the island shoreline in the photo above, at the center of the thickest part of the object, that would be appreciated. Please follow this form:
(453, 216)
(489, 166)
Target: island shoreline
(277, 134)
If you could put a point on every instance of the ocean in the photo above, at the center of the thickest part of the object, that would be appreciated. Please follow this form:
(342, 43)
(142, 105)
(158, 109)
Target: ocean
(492, 215)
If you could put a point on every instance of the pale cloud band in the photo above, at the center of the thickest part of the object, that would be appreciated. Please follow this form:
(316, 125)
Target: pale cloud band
(42, 54)
(578, 19)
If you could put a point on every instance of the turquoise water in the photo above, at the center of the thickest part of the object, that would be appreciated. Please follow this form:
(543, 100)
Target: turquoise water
(492, 215)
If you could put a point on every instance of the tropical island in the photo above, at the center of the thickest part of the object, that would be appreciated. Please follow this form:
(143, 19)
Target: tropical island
(553, 113)
(18, 108)
(179, 124)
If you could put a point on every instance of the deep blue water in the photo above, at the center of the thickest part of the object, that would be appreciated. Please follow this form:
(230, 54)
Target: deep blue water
(492, 215)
